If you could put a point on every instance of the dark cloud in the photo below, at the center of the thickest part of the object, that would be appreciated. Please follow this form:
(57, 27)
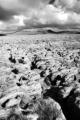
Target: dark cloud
(6, 15)
(51, 1)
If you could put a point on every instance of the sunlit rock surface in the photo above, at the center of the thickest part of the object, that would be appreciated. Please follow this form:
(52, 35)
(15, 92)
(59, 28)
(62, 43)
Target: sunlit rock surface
(39, 78)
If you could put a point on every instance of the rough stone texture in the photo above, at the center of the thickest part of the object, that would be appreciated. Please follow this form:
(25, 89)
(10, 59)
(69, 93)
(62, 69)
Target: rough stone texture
(40, 80)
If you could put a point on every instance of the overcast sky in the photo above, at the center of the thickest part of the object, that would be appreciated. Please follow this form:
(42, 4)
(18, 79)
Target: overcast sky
(39, 12)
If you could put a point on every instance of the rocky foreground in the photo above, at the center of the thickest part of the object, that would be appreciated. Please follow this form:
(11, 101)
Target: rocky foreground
(39, 79)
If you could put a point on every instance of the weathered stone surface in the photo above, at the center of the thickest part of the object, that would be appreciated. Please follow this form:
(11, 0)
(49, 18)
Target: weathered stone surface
(40, 80)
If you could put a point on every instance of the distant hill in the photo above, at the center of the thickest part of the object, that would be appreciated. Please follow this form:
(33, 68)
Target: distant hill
(39, 30)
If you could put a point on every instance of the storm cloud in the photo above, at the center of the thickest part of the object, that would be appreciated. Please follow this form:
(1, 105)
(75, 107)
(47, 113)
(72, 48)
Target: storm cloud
(5, 15)
(39, 12)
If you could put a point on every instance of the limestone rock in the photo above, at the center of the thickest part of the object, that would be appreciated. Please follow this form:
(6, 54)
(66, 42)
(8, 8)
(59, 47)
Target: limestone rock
(40, 80)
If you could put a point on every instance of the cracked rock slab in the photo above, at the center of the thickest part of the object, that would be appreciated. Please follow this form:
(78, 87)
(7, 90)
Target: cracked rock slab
(38, 76)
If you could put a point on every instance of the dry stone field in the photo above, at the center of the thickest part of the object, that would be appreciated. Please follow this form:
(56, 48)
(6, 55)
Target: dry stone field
(40, 77)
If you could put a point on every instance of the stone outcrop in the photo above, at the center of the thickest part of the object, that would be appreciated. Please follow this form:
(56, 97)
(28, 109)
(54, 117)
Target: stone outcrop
(40, 80)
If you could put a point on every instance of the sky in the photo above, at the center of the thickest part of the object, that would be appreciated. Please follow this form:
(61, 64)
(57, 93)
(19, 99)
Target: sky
(32, 13)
